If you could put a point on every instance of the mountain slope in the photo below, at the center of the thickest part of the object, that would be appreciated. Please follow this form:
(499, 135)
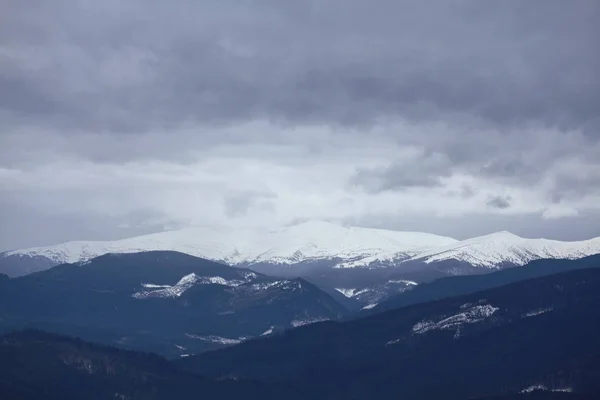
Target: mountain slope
(505, 248)
(40, 366)
(305, 242)
(542, 331)
(166, 302)
(315, 246)
(459, 285)
(36, 365)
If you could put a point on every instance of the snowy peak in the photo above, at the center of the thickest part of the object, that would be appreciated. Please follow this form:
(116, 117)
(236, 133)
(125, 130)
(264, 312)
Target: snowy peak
(310, 242)
(497, 249)
(313, 240)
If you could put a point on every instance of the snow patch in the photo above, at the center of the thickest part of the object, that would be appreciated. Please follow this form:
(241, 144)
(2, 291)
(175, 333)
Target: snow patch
(267, 332)
(470, 316)
(369, 306)
(217, 339)
(298, 322)
(184, 284)
(153, 286)
(544, 388)
(539, 311)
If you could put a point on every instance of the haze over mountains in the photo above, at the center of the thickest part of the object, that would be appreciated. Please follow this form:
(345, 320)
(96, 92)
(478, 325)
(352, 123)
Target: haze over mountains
(312, 245)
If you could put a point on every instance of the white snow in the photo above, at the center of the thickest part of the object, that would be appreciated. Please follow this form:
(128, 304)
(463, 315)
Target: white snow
(267, 332)
(369, 306)
(503, 247)
(378, 292)
(184, 284)
(544, 389)
(538, 311)
(347, 292)
(469, 316)
(347, 247)
(301, 322)
(217, 339)
(403, 281)
(312, 240)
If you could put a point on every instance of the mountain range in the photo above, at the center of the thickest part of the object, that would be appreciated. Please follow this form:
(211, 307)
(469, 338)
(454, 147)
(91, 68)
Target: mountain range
(536, 334)
(532, 339)
(166, 302)
(359, 267)
(312, 245)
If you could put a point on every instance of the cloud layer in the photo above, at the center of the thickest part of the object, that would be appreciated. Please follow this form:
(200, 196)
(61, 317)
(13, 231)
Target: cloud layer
(459, 117)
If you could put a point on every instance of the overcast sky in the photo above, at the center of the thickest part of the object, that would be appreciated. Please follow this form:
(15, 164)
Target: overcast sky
(122, 117)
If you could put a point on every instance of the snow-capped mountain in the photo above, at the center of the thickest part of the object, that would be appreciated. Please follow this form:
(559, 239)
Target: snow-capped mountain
(500, 248)
(306, 242)
(311, 243)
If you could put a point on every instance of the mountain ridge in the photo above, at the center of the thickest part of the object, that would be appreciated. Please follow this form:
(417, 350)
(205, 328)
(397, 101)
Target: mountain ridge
(320, 243)
(167, 302)
(540, 332)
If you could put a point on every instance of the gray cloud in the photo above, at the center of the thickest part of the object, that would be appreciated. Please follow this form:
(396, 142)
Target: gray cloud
(132, 66)
(337, 107)
(416, 170)
(500, 202)
(239, 204)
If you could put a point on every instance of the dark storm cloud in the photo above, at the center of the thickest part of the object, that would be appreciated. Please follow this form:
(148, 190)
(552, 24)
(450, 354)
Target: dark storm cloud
(500, 202)
(134, 66)
(416, 170)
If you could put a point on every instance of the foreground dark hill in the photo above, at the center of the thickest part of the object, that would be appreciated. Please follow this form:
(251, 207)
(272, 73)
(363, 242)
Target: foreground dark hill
(459, 285)
(40, 366)
(166, 302)
(543, 331)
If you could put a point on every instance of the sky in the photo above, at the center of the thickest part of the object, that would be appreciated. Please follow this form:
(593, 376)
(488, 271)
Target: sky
(456, 117)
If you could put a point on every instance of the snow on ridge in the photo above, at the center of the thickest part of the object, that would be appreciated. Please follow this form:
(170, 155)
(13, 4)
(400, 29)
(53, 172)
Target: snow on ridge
(217, 339)
(268, 331)
(184, 284)
(538, 311)
(349, 247)
(307, 241)
(301, 322)
(504, 247)
(470, 315)
(404, 281)
(544, 388)
(347, 292)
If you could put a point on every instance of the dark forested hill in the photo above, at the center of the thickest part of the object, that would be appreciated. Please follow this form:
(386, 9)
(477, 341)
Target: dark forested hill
(458, 285)
(165, 302)
(40, 366)
(543, 331)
